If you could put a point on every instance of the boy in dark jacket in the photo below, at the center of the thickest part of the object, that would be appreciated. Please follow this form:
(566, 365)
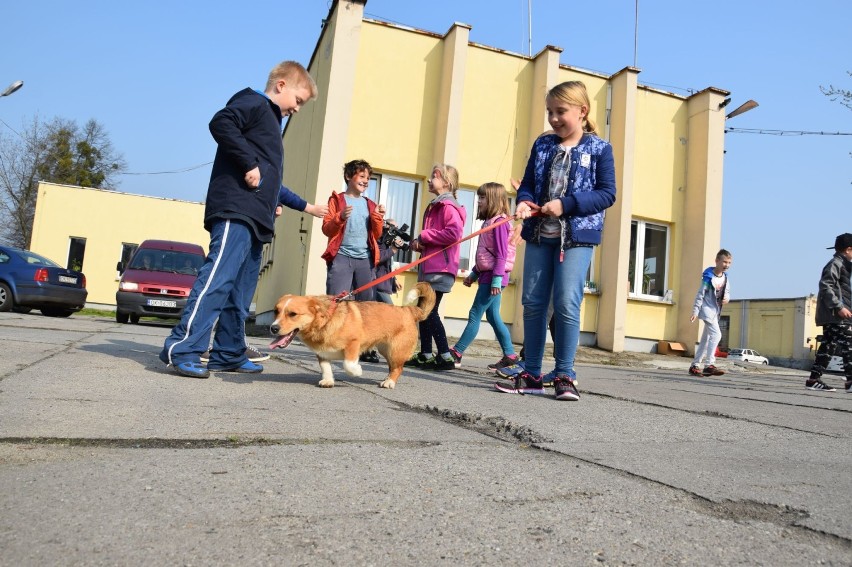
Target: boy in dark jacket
(239, 214)
(834, 315)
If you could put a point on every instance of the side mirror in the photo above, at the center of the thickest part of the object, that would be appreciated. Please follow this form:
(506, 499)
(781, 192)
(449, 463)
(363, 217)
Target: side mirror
(119, 267)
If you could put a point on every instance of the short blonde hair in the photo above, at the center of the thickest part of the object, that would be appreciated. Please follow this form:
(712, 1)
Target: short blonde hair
(574, 93)
(449, 174)
(294, 74)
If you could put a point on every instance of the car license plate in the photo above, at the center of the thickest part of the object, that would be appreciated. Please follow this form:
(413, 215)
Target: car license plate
(161, 303)
(67, 279)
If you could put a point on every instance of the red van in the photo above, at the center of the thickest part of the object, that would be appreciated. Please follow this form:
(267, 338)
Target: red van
(157, 280)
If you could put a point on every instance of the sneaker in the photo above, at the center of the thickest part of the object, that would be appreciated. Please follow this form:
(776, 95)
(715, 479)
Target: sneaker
(205, 357)
(547, 379)
(565, 388)
(369, 356)
(418, 360)
(510, 372)
(848, 386)
(711, 370)
(695, 371)
(819, 386)
(525, 383)
(457, 356)
(247, 367)
(507, 360)
(438, 363)
(192, 370)
(255, 355)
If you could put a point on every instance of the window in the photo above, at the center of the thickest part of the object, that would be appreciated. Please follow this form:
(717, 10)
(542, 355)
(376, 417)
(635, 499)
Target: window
(649, 245)
(467, 199)
(399, 196)
(76, 251)
(127, 251)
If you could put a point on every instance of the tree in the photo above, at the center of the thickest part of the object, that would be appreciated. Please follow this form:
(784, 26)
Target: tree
(844, 95)
(59, 152)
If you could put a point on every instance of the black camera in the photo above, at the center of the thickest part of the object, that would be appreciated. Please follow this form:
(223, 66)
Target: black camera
(391, 232)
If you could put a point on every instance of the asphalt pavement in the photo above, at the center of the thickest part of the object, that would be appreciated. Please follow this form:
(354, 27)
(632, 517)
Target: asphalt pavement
(109, 458)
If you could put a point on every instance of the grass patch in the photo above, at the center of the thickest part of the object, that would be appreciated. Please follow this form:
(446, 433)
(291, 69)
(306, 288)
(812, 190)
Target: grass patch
(96, 312)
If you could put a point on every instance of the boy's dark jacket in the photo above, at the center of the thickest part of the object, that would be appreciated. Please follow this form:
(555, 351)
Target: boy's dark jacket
(834, 291)
(248, 134)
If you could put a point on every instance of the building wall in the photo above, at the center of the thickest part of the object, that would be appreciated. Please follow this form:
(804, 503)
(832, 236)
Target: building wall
(780, 329)
(107, 219)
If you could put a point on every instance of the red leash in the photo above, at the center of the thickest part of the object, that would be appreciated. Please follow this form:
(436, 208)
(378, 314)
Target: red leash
(346, 294)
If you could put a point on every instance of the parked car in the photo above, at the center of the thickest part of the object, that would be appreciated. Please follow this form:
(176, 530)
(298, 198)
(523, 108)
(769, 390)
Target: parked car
(747, 355)
(31, 281)
(157, 280)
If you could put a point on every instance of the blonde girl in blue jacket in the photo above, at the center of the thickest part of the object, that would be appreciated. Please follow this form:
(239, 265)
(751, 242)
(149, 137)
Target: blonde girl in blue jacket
(568, 183)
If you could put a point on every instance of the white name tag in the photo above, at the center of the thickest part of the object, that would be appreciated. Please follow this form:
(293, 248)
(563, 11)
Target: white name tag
(585, 160)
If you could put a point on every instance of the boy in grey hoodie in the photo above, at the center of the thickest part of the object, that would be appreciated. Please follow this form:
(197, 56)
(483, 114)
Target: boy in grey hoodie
(712, 295)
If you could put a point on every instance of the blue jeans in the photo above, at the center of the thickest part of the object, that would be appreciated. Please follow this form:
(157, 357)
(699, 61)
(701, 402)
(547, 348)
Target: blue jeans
(545, 277)
(489, 304)
(223, 290)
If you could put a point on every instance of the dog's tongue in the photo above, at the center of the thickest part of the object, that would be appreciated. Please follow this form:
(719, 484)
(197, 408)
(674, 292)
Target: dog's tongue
(283, 341)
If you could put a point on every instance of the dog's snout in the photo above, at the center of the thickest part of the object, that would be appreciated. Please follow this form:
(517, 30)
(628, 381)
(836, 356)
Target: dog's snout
(273, 328)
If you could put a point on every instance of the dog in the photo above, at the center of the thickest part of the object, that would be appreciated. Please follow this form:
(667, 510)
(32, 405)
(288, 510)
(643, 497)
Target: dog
(341, 330)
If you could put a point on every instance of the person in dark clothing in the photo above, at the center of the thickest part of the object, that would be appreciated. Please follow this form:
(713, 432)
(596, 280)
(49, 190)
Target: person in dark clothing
(834, 315)
(241, 203)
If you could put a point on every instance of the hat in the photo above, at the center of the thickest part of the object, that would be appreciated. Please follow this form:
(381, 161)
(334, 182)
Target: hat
(842, 242)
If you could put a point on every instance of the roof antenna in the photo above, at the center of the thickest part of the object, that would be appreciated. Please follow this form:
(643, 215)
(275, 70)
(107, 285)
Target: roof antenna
(529, 22)
(636, 34)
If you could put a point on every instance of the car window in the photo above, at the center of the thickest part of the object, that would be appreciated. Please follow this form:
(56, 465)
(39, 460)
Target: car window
(4, 258)
(735, 351)
(34, 259)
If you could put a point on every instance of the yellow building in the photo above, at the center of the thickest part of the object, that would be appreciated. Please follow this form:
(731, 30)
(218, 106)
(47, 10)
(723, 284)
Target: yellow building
(94, 229)
(783, 330)
(439, 98)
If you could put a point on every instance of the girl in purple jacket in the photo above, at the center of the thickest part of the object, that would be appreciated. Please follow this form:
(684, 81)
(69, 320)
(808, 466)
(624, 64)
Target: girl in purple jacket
(443, 224)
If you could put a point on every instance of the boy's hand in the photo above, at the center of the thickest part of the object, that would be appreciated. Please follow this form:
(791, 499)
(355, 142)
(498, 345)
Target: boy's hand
(280, 209)
(844, 313)
(380, 209)
(318, 211)
(692, 319)
(344, 214)
(253, 178)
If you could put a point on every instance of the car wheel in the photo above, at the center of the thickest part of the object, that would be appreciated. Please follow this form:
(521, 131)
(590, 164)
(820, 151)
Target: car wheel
(765, 363)
(121, 317)
(134, 318)
(55, 312)
(6, 299)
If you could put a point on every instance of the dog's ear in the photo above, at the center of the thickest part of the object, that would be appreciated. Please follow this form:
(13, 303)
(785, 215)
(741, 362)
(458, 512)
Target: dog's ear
(319, 311)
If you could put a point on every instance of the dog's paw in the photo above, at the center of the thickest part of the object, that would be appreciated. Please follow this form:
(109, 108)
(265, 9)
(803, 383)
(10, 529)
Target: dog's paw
(390, 384)
(352, 368)
(326, 383)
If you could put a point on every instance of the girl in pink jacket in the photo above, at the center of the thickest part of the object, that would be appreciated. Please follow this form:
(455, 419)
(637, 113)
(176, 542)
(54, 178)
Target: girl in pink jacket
(443, 224)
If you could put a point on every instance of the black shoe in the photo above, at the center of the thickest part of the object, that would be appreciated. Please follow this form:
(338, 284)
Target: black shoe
(819, 386)
(565, 388)
(504, 362)
(418, 360)
(369, 356)
(439, 363)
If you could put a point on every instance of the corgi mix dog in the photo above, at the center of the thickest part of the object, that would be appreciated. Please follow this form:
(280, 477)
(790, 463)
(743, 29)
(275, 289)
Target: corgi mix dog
(343, 330)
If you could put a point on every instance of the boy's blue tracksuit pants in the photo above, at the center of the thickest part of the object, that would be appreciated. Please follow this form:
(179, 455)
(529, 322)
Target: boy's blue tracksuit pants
(223, 290)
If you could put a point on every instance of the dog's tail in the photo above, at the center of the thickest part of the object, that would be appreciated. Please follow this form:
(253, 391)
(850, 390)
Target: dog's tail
(424, 295)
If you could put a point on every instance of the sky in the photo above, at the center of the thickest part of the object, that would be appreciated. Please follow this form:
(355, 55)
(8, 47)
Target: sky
(153, 74)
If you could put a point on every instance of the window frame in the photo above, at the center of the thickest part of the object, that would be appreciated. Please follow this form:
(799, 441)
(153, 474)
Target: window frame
(634, 259)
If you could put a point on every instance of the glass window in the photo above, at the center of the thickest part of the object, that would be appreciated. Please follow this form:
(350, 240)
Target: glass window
(76, 252)
(648, 249)
(127, 251)
(467, 199)
(399, 196)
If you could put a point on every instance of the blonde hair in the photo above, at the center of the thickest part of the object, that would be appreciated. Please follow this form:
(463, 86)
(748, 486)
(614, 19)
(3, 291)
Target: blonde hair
(574, 93)
(449, 174)
(294, 74)
(496, 201)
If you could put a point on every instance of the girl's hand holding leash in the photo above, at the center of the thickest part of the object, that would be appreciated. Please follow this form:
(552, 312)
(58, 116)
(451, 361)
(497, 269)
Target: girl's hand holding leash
(553, 208)
(526, 209)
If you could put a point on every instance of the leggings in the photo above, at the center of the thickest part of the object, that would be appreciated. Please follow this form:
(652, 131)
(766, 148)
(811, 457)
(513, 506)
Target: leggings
(433, 328)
